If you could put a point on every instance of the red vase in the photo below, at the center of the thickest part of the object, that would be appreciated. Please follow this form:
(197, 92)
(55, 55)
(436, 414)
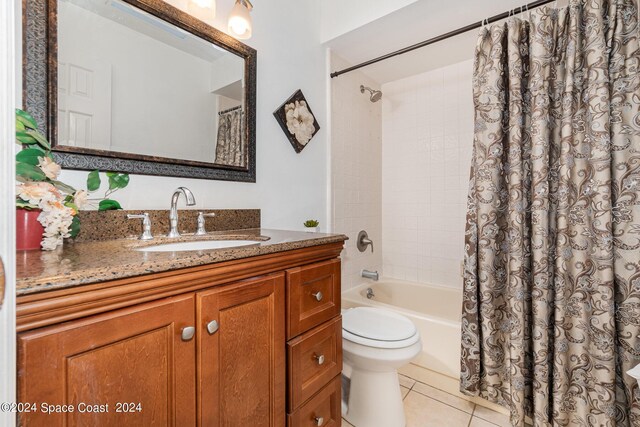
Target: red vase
(29, 231)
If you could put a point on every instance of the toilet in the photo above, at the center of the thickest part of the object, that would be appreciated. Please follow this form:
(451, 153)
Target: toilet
(375, 343)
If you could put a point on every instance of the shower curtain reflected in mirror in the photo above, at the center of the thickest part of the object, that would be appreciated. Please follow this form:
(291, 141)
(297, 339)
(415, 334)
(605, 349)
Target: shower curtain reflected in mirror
(551, 311)
(231, 149)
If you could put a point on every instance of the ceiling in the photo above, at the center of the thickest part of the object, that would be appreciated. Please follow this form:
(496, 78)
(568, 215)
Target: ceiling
(412, 24)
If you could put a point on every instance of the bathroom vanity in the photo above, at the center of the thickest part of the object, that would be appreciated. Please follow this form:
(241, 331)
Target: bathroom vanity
(248, 336)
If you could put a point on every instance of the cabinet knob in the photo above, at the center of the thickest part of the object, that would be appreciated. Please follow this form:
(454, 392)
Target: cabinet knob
(319, 358)
(188, 333)
(319, 421)
(212, 327)
(318, 296)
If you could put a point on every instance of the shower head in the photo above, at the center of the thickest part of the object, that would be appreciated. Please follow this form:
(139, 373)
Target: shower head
(376, 95)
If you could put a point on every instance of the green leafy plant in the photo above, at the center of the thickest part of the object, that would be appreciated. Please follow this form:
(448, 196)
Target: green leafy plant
(39, 187)
(311, 223)
(116, 180)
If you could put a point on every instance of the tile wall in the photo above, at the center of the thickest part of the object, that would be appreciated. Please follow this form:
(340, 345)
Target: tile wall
(427, 136)
(356, 170)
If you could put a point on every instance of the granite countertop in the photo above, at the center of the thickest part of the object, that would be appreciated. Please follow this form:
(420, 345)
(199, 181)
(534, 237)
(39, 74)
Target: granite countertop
(83, 263)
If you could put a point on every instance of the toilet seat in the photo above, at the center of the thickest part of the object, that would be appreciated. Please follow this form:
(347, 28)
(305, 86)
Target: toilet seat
(378, 328)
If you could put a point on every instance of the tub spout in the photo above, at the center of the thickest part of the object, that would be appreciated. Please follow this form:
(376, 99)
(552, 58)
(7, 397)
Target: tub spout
(373, 275)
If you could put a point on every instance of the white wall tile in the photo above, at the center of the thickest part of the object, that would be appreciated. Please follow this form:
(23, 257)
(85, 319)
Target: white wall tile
(427, 138)
(356, 170)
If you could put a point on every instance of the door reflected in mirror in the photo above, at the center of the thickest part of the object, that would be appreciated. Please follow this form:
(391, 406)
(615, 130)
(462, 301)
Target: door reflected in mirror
(136, 86)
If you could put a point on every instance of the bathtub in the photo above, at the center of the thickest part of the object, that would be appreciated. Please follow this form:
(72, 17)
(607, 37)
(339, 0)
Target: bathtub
(435, 310)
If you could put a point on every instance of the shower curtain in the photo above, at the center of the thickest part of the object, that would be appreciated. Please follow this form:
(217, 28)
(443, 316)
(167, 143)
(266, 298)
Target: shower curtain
(551, 311)
(231, 148)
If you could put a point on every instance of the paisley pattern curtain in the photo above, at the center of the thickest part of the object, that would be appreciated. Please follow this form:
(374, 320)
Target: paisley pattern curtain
(551, 312)
(231, 148)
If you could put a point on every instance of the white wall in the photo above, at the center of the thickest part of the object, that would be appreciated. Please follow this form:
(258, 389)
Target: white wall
(290, 187)
(9, 44)
(226, 71)
(427, 140)
(340, 16)
(356, 170)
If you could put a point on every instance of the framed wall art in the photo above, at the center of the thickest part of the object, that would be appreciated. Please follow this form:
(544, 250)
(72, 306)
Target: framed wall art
(297, 121)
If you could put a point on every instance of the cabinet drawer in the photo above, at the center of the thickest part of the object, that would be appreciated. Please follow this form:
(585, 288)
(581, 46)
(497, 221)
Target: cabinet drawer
(322, 410)
(313, 296)
(314, 359)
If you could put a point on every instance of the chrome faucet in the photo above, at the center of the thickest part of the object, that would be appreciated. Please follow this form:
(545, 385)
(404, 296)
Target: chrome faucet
(173, 213)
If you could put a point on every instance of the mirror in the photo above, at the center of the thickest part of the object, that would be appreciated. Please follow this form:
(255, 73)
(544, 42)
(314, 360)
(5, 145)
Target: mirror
(138, 86)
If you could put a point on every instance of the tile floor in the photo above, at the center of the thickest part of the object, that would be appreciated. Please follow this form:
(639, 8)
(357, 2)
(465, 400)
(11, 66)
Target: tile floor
(426, 406)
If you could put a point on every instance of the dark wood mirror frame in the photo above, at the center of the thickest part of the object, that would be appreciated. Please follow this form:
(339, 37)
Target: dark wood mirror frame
(40, 90)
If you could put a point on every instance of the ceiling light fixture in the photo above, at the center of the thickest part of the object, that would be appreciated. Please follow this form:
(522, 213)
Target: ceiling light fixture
(240, 24)
(205, 10)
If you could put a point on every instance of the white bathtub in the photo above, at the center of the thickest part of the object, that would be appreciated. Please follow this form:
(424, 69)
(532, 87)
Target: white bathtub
(435, 310)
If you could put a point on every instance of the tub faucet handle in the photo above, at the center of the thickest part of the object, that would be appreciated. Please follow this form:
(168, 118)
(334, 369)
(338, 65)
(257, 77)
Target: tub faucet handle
(363, 241)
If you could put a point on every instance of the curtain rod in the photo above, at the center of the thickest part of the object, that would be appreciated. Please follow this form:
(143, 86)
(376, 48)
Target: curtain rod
(443, 36)
(228, 110)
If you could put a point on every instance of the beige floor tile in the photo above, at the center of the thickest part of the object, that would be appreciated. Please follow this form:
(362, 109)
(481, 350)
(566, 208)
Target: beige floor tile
(434, 379)
(414, 371)
(405, 381)
(422, 411)
(479, 422)
(404, 391)
(444, 397)
(492, 416)
(346, 423)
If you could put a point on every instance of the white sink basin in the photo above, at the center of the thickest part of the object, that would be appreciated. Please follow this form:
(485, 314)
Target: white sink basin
(202, 245)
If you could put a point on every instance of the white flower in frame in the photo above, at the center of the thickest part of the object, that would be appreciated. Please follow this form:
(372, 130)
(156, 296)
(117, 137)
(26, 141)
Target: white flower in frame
(299, 121)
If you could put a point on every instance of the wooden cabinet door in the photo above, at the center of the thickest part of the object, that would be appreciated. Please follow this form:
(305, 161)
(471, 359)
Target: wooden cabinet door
(132, 360)
(241, 360)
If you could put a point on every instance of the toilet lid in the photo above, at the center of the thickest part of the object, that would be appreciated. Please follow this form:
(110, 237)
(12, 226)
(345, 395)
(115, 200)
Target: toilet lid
(377, 324)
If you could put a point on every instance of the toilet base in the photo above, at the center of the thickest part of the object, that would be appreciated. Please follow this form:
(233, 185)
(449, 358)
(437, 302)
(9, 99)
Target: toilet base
(375, 399)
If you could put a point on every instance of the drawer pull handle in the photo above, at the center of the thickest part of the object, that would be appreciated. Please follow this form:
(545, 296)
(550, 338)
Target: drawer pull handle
(318, 296)
(188, 333)
(319, 358)
(212, 327)
(319, 421)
